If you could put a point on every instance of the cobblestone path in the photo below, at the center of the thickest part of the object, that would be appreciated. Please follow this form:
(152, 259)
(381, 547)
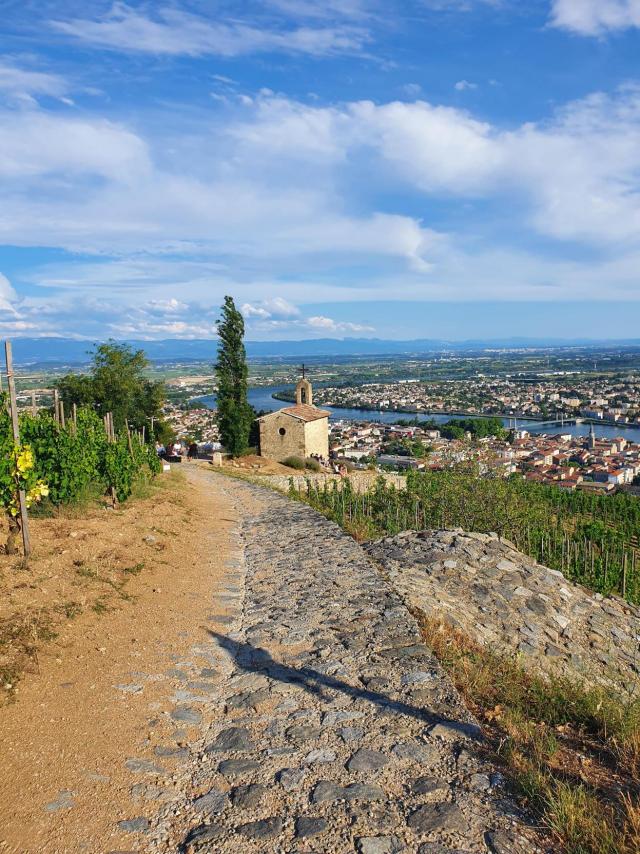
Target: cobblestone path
(313, 719)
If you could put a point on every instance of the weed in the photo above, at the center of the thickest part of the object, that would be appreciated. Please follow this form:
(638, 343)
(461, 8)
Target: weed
(87, 571)
(294, 463)
(20, 636)
(100, 606)
(134, 570)
(573, 752)
(69, 609)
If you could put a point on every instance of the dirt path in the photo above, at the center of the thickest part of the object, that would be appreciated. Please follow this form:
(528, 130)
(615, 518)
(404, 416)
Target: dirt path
(267, 692)
(75, 742)
(335, 729)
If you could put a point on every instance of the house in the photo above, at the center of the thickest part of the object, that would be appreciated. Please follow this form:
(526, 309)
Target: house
(296, 431)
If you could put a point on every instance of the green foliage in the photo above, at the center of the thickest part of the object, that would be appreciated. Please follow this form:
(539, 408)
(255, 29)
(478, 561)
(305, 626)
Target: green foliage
(71, 459)
(592, 539)
(67, 460)
(234, 412)
(455, 428)
(17, 468)
(406, 448)
(116, 383)
(294, 463)
(311, 464)
(7, 477)
(119, 468)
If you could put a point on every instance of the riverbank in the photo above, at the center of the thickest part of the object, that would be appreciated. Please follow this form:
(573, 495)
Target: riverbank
(270, 398)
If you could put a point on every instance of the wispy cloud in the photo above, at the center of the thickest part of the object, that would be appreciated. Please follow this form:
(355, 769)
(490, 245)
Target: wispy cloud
(21, 84)
(36, 143)
(173, 31)
(464, 85)
(280, 315)
(460, 5)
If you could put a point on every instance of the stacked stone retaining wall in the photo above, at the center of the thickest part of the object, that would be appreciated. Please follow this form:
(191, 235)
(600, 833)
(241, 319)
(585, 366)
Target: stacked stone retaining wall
(500, 597)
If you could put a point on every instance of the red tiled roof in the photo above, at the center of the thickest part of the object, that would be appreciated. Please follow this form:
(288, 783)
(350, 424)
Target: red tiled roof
(302, 411)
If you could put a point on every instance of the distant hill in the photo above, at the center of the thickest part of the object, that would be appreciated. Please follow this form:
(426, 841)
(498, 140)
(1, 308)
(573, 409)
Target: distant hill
(61, 351)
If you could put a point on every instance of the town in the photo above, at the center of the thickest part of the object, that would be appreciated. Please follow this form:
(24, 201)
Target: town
(565, 461)
(611, 399)
(586, 463)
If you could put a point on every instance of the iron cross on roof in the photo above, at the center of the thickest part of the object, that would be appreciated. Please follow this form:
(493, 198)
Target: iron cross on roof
(303, 369)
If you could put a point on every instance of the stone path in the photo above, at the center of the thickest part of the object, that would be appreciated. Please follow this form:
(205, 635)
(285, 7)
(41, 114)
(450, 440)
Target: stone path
(501, 597)
(313, 719)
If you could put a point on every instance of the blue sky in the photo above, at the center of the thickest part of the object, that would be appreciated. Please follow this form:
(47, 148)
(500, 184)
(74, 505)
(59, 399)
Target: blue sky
(387, 168)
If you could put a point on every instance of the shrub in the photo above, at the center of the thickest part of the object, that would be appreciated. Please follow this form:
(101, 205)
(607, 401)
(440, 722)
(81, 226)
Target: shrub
(294, 463)
(312, 465)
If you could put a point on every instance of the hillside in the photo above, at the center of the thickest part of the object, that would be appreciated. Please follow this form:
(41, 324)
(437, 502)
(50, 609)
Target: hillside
(269, 684)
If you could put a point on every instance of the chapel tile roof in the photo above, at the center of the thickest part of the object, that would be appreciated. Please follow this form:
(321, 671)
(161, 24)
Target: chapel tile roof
(304, 412)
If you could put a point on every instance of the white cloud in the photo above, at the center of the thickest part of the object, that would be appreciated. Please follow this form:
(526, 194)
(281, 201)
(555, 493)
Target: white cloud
(276, 308)
(327, 325)
(282, 199)
(21, 84)
(287, 318)
(146, 329)
(280, 183)
(595, 17)
(171, 318)
(324, 9)
(175, 32)
(577, 175)
(464, 86)
(7, 294)
(34, 143)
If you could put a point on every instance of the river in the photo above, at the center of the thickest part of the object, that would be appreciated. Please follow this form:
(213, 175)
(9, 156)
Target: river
(262, 398)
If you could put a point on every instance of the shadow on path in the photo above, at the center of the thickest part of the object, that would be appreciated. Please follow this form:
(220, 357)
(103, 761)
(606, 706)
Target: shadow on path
(257, 660)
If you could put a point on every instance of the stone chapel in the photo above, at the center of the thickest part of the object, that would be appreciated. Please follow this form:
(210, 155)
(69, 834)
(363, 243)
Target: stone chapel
(296, 431)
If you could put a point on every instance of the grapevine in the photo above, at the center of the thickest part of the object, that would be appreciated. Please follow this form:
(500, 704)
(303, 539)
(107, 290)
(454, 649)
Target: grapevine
(59, 462)
(591, 539)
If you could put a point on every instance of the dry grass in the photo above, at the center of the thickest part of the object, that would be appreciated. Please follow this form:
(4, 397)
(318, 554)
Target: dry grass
(84, 557)
(572, 752)
(21, 635)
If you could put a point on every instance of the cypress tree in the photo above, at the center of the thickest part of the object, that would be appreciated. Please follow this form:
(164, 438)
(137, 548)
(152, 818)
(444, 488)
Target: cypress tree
(234, 412)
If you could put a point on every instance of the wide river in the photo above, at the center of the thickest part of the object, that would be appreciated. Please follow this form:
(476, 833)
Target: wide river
(262, 398)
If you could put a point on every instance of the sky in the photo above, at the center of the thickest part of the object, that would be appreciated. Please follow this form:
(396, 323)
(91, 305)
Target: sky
(343, 168)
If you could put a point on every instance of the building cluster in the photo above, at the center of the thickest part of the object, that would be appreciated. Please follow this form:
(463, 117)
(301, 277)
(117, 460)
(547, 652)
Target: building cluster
(198, 424)
(606, 399)
(569, 462)
(367, 443)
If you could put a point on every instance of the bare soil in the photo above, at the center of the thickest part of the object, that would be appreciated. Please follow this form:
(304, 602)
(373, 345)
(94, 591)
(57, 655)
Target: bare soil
(110, 599)
(257, 465)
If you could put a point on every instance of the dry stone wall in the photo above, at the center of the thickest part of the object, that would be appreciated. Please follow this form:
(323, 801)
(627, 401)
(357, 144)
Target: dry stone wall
(500, 597)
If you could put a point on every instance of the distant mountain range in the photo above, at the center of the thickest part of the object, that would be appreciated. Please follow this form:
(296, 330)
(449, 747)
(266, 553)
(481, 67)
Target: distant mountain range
(61, 351)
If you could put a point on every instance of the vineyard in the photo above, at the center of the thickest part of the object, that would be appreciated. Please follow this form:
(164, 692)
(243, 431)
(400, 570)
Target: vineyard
(591, 539)
(59, 462)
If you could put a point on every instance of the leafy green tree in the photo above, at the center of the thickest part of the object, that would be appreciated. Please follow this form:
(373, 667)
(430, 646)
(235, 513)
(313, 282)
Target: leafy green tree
(117, 383)
(234, 412)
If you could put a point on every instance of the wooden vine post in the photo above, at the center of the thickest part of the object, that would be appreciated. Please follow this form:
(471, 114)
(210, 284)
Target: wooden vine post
(13, 406)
